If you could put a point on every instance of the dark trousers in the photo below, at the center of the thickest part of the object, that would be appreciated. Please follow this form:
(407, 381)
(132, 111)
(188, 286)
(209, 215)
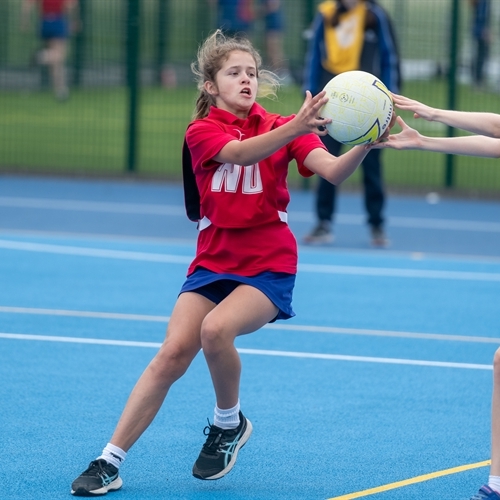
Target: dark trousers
(374, 196)
(482, 51)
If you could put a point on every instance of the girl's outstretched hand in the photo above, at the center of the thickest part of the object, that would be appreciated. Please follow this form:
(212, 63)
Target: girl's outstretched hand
(307, 119)
(408, 138)
(419, 109)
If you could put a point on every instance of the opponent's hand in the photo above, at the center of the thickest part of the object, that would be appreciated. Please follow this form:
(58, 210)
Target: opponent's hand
(419, 109)
(307, 119)
(408, 138)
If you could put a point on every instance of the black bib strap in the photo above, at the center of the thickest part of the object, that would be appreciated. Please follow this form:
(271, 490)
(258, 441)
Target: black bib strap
(191, 193)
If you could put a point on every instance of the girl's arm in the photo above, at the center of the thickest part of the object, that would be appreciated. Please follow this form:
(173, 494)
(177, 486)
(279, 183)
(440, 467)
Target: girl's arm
(26, 9)
(71, 9)
(335, 169)
(475, 122)
(257, 148)
(409, 138)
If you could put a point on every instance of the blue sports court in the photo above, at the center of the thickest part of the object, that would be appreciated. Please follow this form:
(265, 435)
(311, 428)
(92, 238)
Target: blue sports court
(380, 387)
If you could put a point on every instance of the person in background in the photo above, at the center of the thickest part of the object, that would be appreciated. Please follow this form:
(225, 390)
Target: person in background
(58, 18)
(273, 33)
(351, 35)
(481, 13)
(235, 17)
(236, 158)
(485, 143)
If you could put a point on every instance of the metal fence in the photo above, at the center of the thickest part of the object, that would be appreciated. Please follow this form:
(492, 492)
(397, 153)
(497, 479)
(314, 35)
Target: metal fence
(132, 92)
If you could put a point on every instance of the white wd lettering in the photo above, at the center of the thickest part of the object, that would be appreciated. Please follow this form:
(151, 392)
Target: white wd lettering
(252, 181)
(227, 177)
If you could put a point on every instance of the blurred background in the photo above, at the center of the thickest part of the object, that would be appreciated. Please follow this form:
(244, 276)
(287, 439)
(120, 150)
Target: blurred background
(132, 94)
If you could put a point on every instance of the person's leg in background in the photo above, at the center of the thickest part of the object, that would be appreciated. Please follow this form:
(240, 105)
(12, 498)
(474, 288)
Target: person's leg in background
(56, 59)
(274, 29)
(54, 34)
(325, 202)
(482, 56)
(374, 197)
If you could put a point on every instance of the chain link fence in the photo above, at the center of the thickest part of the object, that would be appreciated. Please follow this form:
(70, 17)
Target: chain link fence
(132, 92)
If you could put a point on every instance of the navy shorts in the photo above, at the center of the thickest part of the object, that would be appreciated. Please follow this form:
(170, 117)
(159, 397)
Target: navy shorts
(278, 287)
(54, 27)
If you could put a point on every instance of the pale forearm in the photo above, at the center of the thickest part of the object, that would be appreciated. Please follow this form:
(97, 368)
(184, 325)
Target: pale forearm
(472, 121)
(476, 122)
(71, 9)
(255, 149)
(469, 146)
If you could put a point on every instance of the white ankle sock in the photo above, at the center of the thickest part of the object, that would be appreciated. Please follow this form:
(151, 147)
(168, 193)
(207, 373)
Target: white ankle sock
(227, 419)
(494, 483)
(113, 455)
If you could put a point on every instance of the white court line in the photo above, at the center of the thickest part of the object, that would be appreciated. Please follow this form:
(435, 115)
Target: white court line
(399, 273)
(273, 326)
(163, 240)
(256, 352)
(93, 206)
(94, 252)
(311, 268)
(84, 314)
(408, 222)
(178, 210)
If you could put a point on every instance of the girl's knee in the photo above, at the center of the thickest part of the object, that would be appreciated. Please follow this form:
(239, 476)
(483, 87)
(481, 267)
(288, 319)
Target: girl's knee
(172, 361)
(213, 336)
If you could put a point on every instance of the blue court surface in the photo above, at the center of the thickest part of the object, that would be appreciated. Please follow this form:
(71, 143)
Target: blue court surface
(380, 387)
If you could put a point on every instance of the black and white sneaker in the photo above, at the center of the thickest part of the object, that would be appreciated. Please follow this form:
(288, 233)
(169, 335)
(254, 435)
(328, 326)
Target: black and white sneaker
(219, 453)
(99, 478)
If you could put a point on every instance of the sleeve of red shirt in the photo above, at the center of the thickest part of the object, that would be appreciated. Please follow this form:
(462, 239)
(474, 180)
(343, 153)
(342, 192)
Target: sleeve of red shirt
(205, 139)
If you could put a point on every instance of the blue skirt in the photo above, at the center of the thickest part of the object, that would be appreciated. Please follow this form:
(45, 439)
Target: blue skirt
(278, 287)
(54, 27)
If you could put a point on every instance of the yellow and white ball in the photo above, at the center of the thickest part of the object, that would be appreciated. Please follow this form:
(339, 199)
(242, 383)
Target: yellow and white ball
(360, 107)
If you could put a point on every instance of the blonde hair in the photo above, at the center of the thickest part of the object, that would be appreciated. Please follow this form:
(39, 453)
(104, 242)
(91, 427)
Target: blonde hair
(212, 54)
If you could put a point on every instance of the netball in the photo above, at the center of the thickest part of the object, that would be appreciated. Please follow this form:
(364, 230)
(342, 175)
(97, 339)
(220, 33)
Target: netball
(360, 107)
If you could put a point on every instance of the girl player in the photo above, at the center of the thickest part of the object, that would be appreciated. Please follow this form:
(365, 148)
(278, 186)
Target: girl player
(243, 274)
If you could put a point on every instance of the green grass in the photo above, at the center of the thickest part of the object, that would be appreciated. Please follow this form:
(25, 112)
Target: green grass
(88, 135)
(89, 132)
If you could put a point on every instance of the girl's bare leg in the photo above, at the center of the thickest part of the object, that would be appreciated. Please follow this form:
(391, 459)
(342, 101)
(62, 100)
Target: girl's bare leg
(55, 57)
(181, 345)
(245, 310)
(495, 417)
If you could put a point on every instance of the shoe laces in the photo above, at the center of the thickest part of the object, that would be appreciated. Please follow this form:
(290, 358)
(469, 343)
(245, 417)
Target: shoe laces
(214, 438)
(96, 467)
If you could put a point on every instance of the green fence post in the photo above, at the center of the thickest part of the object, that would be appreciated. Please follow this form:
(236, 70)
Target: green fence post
(310, 9)
(308, 16)
(133, 77)
(202, 20)
(161, 46)
(79, 42)
(452, 87)
(4, 33)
